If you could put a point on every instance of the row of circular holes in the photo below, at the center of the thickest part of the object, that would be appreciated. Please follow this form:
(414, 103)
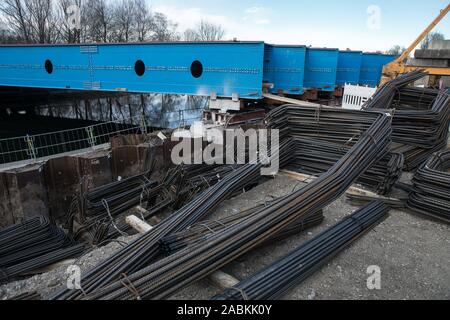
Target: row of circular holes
(139, 68)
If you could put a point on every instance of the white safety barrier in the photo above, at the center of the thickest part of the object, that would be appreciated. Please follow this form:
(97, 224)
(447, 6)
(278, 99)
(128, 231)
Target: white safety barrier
(355, 96)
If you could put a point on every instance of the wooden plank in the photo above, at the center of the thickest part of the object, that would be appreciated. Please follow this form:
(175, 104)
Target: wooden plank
(285, 100)
(351, 191)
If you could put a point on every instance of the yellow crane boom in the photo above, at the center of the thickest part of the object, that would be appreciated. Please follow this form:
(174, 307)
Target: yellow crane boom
(398, 66)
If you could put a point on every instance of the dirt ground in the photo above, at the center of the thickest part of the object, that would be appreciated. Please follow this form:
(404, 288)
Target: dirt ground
(411, 252)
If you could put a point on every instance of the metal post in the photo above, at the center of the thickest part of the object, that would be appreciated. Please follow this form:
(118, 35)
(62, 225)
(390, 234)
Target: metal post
(31, 150)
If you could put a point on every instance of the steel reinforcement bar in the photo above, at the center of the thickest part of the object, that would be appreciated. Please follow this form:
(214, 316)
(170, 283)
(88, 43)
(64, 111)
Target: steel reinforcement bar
(431, 188)
(165, 277)
(274, 281)
(146, 249)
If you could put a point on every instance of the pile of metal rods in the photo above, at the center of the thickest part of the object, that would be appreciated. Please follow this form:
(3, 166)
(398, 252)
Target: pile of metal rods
(431, 188)
(277, 279)
(316, 157)
(201, 231)
(165, 277)
(27, 296)
(384, 97)
(420, 118)
(104, 209)
(32, 245)
(30, 266)
(146, 249)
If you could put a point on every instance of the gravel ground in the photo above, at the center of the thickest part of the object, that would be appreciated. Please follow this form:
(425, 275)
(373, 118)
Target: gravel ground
(411, 252)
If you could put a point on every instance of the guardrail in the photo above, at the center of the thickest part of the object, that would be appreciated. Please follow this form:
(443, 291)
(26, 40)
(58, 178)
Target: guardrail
(33, 148)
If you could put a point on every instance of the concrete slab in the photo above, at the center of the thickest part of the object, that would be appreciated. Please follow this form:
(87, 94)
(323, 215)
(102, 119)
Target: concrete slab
(440, 44)
(432, 54)
(438, 63)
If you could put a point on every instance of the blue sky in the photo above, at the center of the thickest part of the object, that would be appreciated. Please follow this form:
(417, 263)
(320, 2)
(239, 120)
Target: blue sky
(368, 25)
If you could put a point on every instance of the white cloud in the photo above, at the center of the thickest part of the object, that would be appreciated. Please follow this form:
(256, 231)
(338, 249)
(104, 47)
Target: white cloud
(257, 15)
(254, 10)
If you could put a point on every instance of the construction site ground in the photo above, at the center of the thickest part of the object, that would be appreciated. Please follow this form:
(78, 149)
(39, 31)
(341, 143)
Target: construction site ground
(412, 253)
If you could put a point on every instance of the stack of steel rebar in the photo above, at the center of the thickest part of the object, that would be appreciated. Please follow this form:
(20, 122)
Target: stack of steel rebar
(201, 231)
(420, 118)
(104, 209)
(27, 296)
(322, 139)
(316, 157)
(431, 188)
(146, 249)
(32, 245)
(277, 279)
(371, 138)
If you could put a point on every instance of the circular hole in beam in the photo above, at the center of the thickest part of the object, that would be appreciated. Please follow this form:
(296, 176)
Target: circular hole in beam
(49, 66)
(139, 68)
(196, 69)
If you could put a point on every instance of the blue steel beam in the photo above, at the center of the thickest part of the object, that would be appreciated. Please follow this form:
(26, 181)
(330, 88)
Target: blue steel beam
(349, 67)
(321, 68)
(372, 68)
(223, 68)
(284, 66)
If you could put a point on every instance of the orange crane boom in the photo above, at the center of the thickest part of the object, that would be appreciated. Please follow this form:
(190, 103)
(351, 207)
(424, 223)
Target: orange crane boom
(399, 66)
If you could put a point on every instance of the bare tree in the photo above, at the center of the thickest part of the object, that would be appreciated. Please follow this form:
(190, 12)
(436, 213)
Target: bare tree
(124, 21)
(144, 21)
(205, 31)
(34, 21)
(430, 38)
(18, 18)
(396, 50)
(50, 21)
(99, 19)
(163, 29)
(44, 22)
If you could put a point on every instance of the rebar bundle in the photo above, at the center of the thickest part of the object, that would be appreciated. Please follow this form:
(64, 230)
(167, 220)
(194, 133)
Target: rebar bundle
(167, 276)
(420, 117)
(146, 249)
(32, 245)
(201, 231)
(317, 157)
(104, 209)
(323, 138)
(27, 296)
(277, 279)
(431, 188)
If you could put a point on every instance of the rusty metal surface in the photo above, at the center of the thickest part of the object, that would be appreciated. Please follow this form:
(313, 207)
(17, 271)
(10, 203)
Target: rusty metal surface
(62, 180)
(96, 169)
(128, 161)
(22, 194)
(6, 216)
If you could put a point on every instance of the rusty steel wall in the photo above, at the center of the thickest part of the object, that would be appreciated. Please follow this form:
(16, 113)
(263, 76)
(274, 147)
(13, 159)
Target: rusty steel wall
(49, 189)
(23, 195)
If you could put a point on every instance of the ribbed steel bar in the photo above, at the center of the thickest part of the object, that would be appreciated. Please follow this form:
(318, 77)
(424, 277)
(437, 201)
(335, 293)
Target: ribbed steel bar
(421, 117)
(431, 188)
(277, 279)
(32, 245)
(167, 276)
(146, 249)
(203, 230)
(316, 157)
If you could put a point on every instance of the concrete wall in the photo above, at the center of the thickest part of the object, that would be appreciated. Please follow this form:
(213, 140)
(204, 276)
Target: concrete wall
(440, 45)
